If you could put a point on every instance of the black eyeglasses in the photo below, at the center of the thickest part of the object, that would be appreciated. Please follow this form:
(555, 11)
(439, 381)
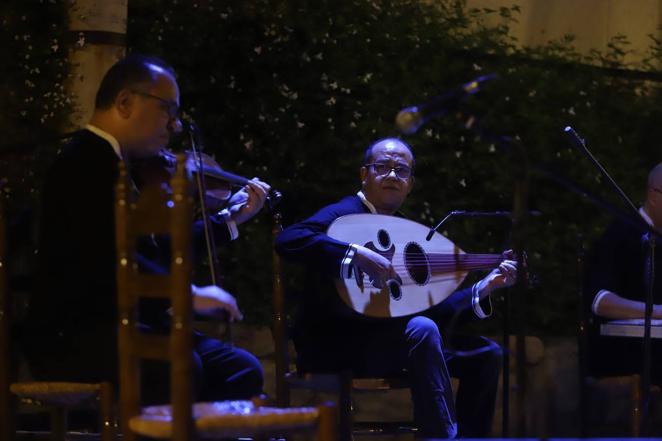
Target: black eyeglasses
(171, 107)
(657, 190)
(383, 169)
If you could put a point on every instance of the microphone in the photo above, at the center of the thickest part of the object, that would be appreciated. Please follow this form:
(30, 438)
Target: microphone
(574, 137)
(410, 119)
(189, 126)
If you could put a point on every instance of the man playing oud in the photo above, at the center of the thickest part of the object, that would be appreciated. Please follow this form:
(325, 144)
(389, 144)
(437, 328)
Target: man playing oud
(330, 337)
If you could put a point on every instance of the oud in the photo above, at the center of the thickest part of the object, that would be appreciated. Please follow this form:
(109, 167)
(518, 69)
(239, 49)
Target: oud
(427, 271)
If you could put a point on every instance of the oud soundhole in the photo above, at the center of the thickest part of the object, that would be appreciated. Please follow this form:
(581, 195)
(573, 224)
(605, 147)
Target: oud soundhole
(395, 290)
(383, 238)
(417, 264)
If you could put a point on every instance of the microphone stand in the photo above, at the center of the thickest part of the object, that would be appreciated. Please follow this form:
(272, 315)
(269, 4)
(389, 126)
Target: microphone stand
(472, 214)
(649, 237)
(521, 172)
(505, 372)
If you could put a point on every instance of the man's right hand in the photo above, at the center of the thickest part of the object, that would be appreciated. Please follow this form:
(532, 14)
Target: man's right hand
(214, 301)
(378, 268)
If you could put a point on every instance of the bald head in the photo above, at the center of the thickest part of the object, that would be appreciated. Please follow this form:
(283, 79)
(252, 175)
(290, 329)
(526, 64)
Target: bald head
(655, 177)
(390, 143)
(135, 71)
(653, 204)
(138, 104)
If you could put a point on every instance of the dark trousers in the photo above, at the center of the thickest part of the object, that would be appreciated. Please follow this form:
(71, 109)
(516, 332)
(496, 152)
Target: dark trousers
(415, 345)
(221, 371)
(476, 362)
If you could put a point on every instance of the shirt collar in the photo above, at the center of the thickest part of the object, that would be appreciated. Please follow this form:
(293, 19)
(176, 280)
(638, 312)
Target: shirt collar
(366, 202)
(107, 136)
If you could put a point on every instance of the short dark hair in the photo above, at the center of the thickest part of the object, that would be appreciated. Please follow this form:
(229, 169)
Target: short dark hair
(132, 70)
(367, 155)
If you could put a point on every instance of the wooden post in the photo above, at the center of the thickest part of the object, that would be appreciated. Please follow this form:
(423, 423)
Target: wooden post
(7, 366)
(98, 30)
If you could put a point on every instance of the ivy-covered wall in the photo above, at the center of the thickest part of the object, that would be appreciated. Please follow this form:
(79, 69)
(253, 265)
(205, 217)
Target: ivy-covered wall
(293, 91)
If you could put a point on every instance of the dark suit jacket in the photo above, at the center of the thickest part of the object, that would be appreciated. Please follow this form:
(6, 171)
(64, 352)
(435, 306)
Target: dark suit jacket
(72, 316)
(617, 264)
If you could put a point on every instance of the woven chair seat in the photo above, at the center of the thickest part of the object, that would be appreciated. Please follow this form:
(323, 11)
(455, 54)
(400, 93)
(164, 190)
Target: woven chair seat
(55, 393)
(225, 419)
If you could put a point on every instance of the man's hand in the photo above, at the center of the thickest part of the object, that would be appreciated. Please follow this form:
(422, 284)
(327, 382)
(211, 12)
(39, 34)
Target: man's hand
(248, 201)
(214, 301)
(501, 277)
(378, 268)
(612, 306)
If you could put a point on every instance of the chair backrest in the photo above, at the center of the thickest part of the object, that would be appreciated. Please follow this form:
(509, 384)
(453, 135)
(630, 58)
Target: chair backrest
(160, 210)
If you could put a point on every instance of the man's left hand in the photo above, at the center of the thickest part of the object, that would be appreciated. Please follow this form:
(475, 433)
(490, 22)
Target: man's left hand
(248, 201)
(501, 277)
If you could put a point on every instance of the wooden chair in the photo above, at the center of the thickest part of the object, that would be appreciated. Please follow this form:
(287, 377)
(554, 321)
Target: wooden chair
(158, 212)
(56, 397)
(343, 385)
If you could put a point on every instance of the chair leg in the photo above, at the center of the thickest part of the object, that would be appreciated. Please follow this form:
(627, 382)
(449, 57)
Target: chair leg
(583, 406)
(7, 415)
(328, 422)
(106, 412)
(58, 423)
(635, 393)
(345, 407)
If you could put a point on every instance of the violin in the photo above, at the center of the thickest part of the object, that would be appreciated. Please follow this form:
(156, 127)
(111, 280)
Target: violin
(218, 183)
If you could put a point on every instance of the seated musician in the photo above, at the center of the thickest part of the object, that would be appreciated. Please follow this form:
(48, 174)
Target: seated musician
(615, 289)
(71, 329)
(330, 337)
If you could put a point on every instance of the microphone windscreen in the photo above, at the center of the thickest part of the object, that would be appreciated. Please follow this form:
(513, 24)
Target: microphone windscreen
(408, 120)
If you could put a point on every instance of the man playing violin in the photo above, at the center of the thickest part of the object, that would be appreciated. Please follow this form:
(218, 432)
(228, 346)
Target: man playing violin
(330, 337)
(70, 334)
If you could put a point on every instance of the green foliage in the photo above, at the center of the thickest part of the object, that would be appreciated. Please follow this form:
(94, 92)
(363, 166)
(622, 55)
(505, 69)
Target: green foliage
(34, 101)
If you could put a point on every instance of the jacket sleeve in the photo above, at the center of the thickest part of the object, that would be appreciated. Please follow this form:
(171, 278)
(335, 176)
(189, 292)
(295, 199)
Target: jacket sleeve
(220, 230)
(456, 309)
(610, 265)
(307, 241)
